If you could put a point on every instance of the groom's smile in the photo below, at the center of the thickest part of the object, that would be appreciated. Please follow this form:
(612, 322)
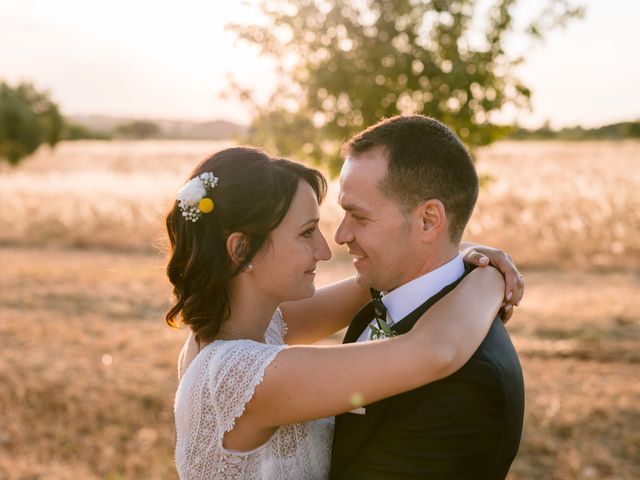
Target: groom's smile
(358, 257)
(357, 254)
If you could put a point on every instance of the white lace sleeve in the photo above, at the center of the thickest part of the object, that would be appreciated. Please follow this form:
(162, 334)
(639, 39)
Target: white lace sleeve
(236, 370)
(213, 394)
(276, 330)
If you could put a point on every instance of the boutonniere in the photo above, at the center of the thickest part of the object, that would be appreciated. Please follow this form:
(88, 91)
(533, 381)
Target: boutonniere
(383, 330)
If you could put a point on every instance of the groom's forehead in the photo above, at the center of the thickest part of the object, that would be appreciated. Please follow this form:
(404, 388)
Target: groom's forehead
(360, 199)
(360, 176)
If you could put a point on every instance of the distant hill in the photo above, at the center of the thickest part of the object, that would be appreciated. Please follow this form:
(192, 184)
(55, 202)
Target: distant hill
(103, 126)
(175, 129)
(614, 131)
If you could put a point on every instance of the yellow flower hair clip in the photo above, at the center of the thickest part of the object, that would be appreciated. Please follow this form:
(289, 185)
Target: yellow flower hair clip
(206, 205)
(192, 197)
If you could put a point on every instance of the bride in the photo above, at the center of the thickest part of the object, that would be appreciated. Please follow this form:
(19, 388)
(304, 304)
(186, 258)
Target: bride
(255, 399)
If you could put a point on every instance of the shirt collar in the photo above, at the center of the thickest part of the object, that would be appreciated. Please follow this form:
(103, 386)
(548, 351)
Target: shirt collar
(406, 298)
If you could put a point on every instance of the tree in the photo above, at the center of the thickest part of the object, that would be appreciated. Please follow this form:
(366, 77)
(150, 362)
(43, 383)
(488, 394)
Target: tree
(76, 131)
(28, 118)
(345, 64)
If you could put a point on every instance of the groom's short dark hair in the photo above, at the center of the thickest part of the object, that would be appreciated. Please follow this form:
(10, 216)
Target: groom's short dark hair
(426, 160)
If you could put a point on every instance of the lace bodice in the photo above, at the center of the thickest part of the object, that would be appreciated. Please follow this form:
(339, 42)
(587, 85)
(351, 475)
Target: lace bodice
(213, 393)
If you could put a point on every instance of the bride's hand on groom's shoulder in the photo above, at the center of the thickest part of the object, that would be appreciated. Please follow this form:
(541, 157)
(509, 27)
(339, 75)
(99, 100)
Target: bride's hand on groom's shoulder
(481, 256)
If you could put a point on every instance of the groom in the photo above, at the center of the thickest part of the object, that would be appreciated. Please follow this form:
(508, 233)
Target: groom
(408, 187)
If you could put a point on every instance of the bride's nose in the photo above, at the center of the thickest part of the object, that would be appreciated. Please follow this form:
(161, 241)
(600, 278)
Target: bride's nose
(322, 250)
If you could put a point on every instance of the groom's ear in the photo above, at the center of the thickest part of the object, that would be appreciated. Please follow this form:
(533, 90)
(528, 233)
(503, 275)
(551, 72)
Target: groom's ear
(432, 219)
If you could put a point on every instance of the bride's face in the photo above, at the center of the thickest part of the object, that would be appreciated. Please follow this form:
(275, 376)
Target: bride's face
(285, 269)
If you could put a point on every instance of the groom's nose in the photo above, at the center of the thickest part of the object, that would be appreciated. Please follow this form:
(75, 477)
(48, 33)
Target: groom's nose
(343, 233)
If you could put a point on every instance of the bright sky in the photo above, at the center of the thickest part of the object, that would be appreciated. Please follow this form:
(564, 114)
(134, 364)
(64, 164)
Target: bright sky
(169, 59)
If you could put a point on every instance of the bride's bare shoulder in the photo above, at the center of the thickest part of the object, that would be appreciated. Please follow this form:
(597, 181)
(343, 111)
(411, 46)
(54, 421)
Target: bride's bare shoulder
(187, 354)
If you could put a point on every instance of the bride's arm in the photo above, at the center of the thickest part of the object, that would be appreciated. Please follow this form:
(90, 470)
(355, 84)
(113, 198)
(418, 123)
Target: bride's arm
(308, 382)
(330, 309)
(514, 282)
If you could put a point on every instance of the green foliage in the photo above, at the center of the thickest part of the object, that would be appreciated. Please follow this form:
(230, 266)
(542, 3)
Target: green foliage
(618, 130)
(75, 131)
(138, 129)
(344, 65)
(28, 118)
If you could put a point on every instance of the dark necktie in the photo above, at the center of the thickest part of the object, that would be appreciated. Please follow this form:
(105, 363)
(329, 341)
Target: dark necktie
(372, 310)
(380, 311)
(380, 322)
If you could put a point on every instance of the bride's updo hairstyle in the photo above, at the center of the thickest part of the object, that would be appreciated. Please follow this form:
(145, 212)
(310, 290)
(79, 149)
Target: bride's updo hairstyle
(252, 196)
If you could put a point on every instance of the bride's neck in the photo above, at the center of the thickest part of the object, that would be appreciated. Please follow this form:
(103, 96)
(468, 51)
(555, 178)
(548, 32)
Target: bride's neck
(251, 312)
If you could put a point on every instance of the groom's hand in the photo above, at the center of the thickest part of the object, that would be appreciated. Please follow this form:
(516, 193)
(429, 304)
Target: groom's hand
(481, 256)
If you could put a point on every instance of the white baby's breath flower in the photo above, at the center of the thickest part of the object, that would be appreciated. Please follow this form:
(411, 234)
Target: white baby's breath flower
(192, 192)
(191, 197)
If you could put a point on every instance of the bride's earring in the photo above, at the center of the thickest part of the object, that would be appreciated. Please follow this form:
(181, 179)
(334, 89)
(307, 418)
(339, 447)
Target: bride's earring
(250, 267)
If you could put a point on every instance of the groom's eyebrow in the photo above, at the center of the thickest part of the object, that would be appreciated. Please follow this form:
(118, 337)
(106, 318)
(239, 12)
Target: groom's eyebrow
(353, 208)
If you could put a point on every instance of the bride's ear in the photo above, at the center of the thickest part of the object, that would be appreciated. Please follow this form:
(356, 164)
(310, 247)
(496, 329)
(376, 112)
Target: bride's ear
(237, 246)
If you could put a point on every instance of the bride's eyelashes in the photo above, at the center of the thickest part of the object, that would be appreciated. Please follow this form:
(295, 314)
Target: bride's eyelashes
(309, 232)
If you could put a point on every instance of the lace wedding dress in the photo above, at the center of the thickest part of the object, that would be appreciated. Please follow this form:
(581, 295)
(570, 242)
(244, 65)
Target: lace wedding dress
(212, 394)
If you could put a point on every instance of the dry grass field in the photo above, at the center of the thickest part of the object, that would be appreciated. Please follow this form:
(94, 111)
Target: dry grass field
(87, 366)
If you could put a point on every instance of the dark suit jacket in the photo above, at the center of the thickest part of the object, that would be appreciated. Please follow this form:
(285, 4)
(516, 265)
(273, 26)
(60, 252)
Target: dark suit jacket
(466, 426)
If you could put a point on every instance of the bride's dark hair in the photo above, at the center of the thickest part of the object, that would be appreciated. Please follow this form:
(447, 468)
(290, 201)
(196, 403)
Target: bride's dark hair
(253, 195)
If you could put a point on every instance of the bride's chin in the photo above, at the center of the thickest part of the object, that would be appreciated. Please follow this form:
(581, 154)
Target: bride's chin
(311, 291)
(296, 293)
(306, 293)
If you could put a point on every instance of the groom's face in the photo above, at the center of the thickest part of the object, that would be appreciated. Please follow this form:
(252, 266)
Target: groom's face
(378, 233)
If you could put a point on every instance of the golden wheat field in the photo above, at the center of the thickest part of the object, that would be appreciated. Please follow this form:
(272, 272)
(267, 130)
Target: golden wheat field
(87, 366)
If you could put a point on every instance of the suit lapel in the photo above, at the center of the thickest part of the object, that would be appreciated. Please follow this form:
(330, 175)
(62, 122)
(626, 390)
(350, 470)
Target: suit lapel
(359, 323)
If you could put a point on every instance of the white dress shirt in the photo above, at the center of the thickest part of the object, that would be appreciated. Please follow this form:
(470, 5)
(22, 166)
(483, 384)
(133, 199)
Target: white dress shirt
(406, 298)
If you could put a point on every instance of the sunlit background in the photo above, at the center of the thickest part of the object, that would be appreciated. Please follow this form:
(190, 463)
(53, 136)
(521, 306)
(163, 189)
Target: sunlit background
(87, 365)
(170, 59)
